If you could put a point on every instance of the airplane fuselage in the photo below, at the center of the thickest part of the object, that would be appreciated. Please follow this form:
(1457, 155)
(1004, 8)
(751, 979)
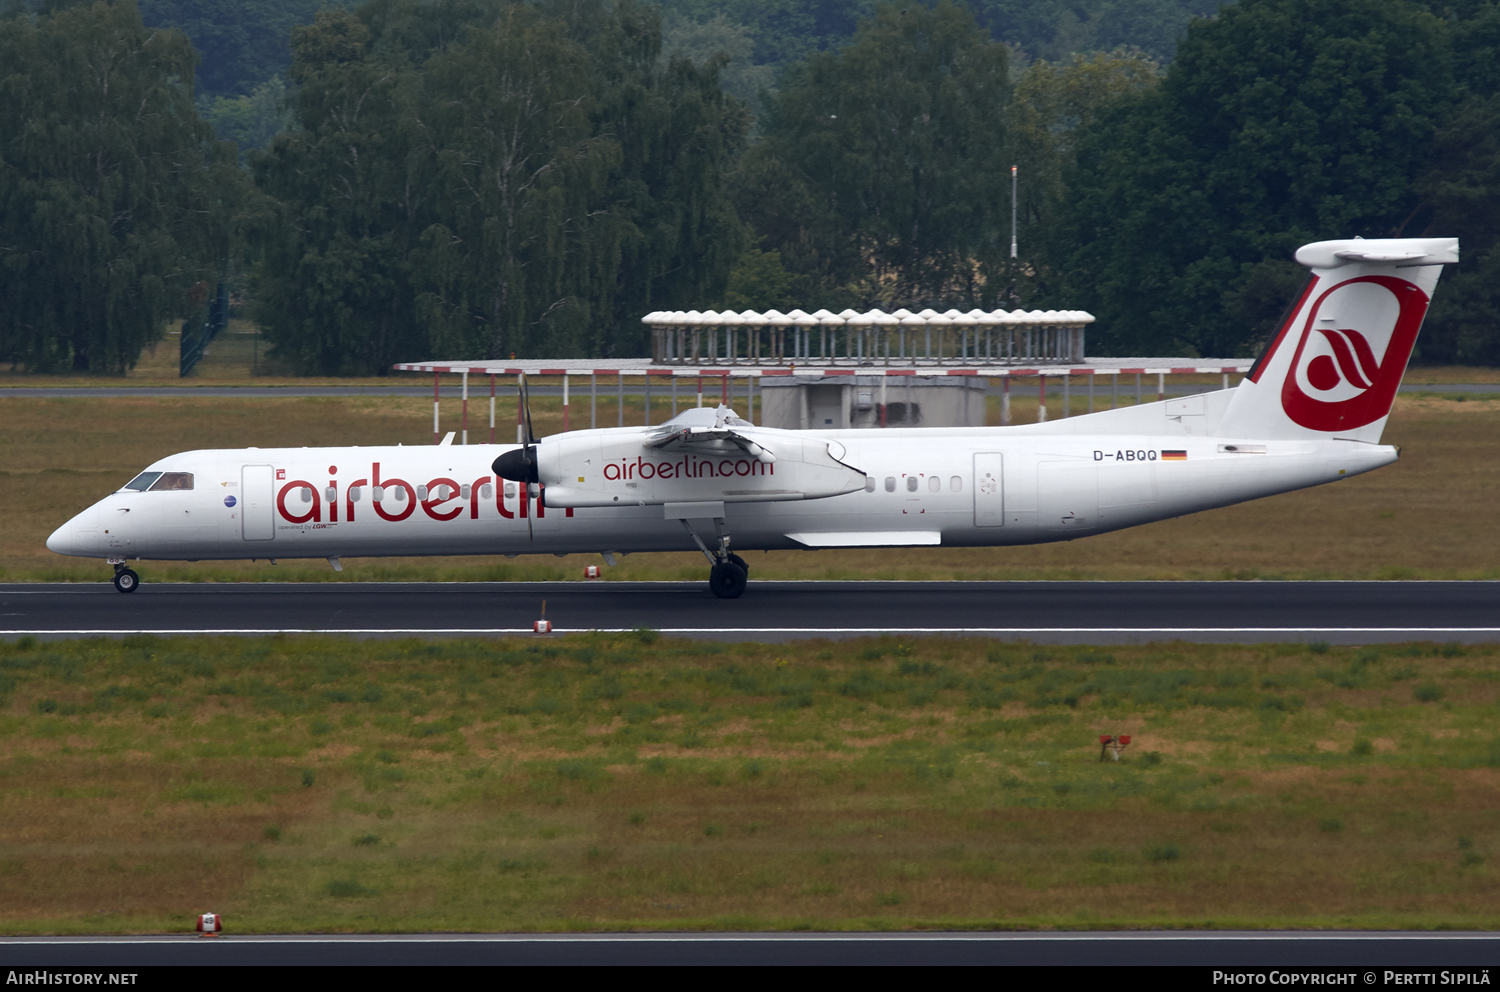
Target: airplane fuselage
(963, 488)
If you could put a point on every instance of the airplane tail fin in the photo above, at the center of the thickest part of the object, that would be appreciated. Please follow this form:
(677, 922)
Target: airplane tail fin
(1333, 366)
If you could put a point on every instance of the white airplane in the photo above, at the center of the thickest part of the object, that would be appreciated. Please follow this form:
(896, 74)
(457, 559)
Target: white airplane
(1311, 411)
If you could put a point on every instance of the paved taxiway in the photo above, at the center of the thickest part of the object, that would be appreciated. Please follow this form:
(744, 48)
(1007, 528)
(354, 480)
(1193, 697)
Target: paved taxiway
(1357, 951)
(1054, 612)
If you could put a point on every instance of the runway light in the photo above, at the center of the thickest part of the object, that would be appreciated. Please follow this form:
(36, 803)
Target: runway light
(209, 924)
(1110, 743)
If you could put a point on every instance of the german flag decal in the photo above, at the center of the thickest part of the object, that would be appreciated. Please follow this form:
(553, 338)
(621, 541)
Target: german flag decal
(1174, 456)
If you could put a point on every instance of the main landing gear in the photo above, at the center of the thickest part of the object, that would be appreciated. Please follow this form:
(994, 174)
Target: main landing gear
(125, 579)
(728, 572)
(728, 576)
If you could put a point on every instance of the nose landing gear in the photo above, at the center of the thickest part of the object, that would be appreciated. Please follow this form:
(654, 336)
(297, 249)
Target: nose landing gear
(125, 580)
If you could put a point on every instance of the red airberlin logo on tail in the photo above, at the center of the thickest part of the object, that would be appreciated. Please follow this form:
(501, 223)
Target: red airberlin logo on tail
(1343, 377)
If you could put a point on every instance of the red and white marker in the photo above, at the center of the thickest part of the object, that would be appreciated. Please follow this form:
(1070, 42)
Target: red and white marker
(591, 572)
(542, 626)
(209, 924)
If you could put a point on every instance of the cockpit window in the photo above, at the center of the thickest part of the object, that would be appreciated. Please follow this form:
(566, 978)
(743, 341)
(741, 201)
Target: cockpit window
(173, 481)
(143, 481)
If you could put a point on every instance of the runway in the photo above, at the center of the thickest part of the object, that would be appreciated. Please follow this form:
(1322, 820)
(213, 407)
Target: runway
(1048, 612)
(1361, 953)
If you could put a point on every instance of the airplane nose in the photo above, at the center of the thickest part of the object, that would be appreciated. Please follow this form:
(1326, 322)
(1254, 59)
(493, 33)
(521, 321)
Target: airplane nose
(61, 539)
(79, 536)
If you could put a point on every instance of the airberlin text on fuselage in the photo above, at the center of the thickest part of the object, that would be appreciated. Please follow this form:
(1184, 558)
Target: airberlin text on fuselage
(438, 505)
(687, 468)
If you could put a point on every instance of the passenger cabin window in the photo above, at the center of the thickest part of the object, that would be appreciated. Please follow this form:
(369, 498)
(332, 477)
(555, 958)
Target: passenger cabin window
(143, 481)
(956, 483)
(354, 494)
(330, 493)
(173, 482)
(911, 483)
(934, 484)
(486, 491)
(869, 483)
(890, 483)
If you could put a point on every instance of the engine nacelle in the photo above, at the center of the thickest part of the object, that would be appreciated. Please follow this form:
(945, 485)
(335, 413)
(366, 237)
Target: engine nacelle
(614, 468)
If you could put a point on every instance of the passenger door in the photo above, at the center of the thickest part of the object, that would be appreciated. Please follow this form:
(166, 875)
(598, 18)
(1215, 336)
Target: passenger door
(989, 489)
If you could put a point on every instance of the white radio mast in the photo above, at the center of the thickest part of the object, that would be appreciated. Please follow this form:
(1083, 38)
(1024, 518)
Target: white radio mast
(1012, 211)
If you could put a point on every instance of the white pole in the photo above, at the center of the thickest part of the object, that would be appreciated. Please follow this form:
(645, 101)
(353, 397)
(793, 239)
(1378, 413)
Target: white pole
(1012, 211)
(465, 427)
(565, 404)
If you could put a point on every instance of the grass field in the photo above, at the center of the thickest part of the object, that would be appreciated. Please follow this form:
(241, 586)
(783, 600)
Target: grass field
(606, 782)
(1428, 516)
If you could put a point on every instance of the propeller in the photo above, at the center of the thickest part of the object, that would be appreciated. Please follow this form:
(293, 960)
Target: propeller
(519, 465)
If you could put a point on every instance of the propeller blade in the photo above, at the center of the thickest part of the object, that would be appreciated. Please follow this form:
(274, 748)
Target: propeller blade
(526, 411)
(529, 453)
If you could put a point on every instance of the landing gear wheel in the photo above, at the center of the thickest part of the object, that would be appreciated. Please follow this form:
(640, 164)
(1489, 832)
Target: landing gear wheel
(727, 580)
(744, 566)
(126, 580)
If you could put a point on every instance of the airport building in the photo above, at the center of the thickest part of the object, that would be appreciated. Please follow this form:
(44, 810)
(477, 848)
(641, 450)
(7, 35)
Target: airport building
(830, 371)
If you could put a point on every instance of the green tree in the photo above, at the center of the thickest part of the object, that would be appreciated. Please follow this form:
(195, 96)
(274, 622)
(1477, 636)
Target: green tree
(1057, 29)
(252, 121)
(700, 41)
(1052, 102)
(243, 42)
(881, 167)
(759, 281)
(1460, 195)
(115, 201)
(1280, 122)
(485, 179)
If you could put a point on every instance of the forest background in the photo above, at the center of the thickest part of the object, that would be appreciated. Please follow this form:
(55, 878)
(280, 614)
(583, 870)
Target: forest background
(396, 180)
